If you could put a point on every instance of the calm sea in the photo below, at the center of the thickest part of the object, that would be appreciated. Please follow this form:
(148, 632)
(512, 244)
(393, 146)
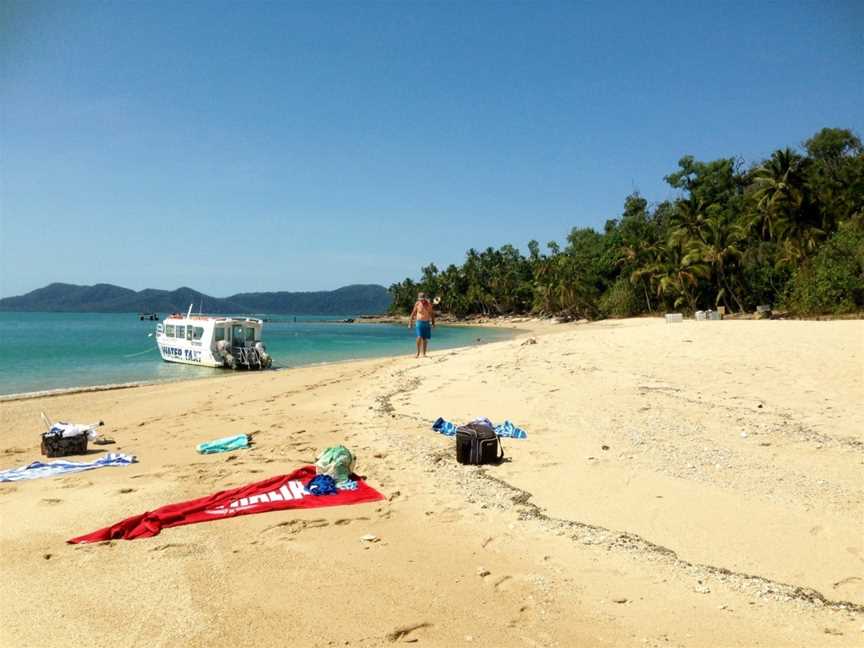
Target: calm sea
(59, 350)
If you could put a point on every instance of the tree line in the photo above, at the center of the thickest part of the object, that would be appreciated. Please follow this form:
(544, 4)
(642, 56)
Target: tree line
(786, 231)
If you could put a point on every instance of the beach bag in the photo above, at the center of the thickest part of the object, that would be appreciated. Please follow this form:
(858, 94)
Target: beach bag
(477, 444)
(62, 439)
(58, 446)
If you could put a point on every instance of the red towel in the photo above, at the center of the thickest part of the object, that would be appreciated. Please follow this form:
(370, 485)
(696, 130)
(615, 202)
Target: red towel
(274, 494)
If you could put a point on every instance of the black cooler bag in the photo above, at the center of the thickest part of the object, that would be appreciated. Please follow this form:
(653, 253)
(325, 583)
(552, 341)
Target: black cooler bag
(57, 446)
(477, 443)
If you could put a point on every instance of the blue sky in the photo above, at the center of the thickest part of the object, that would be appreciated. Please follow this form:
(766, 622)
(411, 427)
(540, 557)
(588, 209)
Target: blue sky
(302, 146)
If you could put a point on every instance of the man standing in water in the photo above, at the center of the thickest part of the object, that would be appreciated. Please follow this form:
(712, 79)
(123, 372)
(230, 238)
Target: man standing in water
(424, 315)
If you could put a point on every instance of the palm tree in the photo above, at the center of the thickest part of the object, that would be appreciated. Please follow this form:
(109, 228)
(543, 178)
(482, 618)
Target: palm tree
(687, 220)
(677, 278)
(718, 249)
(779, 191)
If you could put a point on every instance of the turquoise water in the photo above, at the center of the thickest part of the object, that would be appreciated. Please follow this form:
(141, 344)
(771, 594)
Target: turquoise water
(60, 350)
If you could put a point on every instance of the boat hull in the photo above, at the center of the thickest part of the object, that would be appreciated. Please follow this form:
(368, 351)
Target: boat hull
(212, 365)
(188, 355)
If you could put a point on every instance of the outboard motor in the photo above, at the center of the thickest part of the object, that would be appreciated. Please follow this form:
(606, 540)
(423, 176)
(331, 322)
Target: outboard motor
(224, 352)
(266, 360)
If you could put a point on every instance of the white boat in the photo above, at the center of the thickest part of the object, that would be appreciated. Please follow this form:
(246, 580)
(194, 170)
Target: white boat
(212, 341)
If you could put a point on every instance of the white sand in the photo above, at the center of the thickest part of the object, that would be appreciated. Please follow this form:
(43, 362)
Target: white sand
(722, 523)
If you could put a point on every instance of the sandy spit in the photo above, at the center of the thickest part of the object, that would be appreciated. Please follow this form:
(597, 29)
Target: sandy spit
(682, 485)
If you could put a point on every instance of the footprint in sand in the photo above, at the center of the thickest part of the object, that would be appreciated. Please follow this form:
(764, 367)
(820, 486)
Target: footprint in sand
(124, 491)
(500, 583)
(51, 500)
(76, 484)
(404, 633)
(295, 526)
(448, 516)
(346, 521)
(178, 549)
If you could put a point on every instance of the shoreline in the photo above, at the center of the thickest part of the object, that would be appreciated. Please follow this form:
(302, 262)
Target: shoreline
(224, 373)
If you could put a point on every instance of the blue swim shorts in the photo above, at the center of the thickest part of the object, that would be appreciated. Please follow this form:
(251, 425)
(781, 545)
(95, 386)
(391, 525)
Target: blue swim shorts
(424, 329)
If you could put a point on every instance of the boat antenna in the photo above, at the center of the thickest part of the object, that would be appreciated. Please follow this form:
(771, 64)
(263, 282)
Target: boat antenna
(189, 313)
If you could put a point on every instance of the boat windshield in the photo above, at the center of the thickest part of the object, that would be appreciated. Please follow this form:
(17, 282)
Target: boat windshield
(237, 336)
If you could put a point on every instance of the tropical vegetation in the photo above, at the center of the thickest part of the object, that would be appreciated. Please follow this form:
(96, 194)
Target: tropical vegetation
(787, 231)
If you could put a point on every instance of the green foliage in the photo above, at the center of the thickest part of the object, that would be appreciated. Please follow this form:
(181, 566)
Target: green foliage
(833, 280)
(621, 300)
(732, 237)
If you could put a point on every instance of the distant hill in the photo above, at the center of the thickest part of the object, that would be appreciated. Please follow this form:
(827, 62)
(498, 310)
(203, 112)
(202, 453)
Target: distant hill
(360, 299)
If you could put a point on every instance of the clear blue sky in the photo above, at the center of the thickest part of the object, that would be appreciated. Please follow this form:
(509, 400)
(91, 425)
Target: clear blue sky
(302, 146)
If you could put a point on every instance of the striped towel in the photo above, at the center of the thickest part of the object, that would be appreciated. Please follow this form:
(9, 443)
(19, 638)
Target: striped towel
(444, 427)
(39, 469)
(506, 429)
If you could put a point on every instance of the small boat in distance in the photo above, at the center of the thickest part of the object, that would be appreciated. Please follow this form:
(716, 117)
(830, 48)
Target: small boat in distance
(212, 341)
(153, 317)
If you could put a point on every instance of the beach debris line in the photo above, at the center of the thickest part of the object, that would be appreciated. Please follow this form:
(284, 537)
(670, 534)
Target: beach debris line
(273, 494)
(39, 469)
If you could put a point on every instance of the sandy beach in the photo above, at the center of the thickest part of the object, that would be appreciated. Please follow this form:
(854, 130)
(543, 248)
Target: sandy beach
(696, 484)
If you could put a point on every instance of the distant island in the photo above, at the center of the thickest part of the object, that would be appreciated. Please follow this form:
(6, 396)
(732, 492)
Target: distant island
(358, 299)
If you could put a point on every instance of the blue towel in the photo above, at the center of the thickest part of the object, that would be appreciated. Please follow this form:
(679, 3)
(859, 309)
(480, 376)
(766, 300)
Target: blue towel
(237, 442)
(506, 429)
(322, 485)
(444, 427)
(39, 469)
